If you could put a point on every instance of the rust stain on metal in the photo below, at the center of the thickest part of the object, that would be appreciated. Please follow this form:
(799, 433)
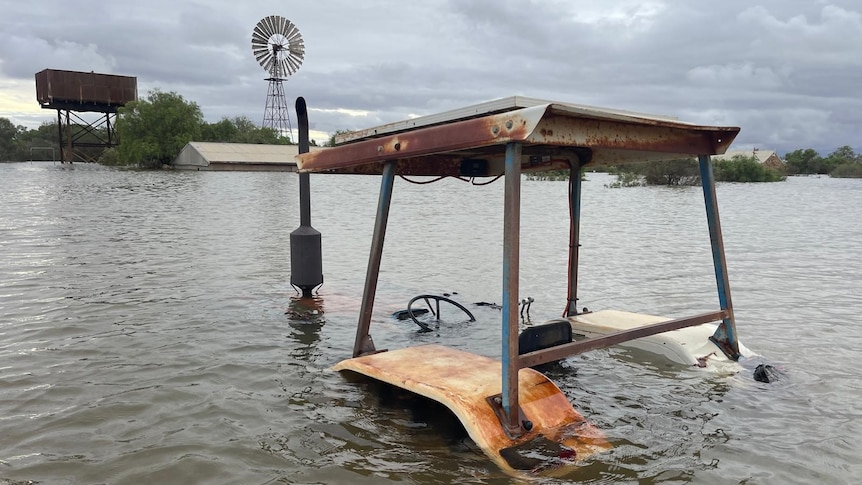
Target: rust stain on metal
(462, 381)
(466, 134)
(612, 138)
(72, 87)
(651, 136)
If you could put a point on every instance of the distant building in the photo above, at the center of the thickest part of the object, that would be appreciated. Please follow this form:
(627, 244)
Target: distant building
(198, 155)
(766, 157)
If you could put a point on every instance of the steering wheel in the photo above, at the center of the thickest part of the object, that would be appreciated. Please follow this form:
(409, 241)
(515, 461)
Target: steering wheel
(437, 299)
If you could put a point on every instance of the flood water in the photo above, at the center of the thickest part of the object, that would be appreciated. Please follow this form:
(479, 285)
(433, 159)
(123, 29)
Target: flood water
(149, 333)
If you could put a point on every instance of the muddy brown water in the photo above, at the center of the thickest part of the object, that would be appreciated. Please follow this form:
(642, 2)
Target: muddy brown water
(149, 334)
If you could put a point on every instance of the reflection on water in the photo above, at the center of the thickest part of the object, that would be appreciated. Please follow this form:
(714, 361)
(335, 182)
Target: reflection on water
(148, 330)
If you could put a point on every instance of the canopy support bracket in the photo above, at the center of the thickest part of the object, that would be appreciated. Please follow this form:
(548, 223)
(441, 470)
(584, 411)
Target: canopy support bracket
(512, 432)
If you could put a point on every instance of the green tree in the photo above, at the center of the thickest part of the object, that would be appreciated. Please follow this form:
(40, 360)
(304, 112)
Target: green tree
(154, 130)
(223, 131)
(44, 139)
(9, 141)
(682, 171)
(625, 179)
(241, 130)
(847, 170)
(248, 132)
(804, 161)
(845, 154)
(110, 157)
(742, 168)
(845, 163)
(686, 171)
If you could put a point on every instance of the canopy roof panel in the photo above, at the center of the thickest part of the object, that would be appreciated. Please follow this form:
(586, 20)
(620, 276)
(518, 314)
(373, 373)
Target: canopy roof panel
(471, 141)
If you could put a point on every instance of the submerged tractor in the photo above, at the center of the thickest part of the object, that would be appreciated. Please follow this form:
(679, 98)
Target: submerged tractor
(507, 407)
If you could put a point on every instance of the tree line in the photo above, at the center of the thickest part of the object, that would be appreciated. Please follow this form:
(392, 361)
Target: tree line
(843, 162)
(155, 129)
(152, 131)
(20, 144)
(686, 171)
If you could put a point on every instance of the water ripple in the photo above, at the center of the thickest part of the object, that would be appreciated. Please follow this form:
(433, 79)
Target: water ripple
(148, 331)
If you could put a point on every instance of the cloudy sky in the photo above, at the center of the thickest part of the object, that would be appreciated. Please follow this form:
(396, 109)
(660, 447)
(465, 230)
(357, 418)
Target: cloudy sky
(789, 72)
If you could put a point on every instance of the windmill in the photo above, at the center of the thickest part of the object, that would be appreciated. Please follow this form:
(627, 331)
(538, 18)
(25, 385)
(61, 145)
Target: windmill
(278, 47)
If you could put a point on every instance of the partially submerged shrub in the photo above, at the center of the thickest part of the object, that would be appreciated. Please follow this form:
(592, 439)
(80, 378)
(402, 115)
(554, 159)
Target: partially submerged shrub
(745, 169)
(847, 170)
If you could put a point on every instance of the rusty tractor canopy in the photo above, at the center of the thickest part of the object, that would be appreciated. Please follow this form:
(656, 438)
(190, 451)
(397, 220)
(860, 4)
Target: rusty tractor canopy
(472, 141)
(84, 91)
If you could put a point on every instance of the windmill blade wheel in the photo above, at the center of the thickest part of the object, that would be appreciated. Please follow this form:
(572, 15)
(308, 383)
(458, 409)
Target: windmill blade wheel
(278, 46)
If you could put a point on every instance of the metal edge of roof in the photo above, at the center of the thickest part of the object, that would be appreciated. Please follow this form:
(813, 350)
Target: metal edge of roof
(500, 105)
(521, 125)
(367, 150)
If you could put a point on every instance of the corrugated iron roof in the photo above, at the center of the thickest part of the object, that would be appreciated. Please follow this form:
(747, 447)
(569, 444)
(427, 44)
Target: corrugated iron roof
(760, 155)
(246, 152)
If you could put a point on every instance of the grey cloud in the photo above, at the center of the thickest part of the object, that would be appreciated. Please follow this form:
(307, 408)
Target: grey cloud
(787, 71)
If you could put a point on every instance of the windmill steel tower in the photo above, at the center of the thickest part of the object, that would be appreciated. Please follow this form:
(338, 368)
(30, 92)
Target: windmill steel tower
(278, 47)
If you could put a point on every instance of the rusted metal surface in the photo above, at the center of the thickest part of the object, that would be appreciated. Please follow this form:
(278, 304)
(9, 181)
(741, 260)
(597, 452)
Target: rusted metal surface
(80, 140)
(463, 381)
(558, 128)
(560, 352)
(444, 139)
(542, 137)
(82, 91)
(449, 164)
(544, 130)
(511, 269)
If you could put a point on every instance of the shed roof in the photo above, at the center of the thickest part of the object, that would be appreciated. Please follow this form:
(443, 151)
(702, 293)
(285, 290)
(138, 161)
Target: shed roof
(552, 134)
(761, 155)
(199, 155)
(245, 152)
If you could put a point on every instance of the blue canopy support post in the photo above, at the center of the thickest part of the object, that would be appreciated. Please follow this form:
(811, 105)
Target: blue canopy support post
(363, 343)
(725, 334)
(574, 237)
(511, 263)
